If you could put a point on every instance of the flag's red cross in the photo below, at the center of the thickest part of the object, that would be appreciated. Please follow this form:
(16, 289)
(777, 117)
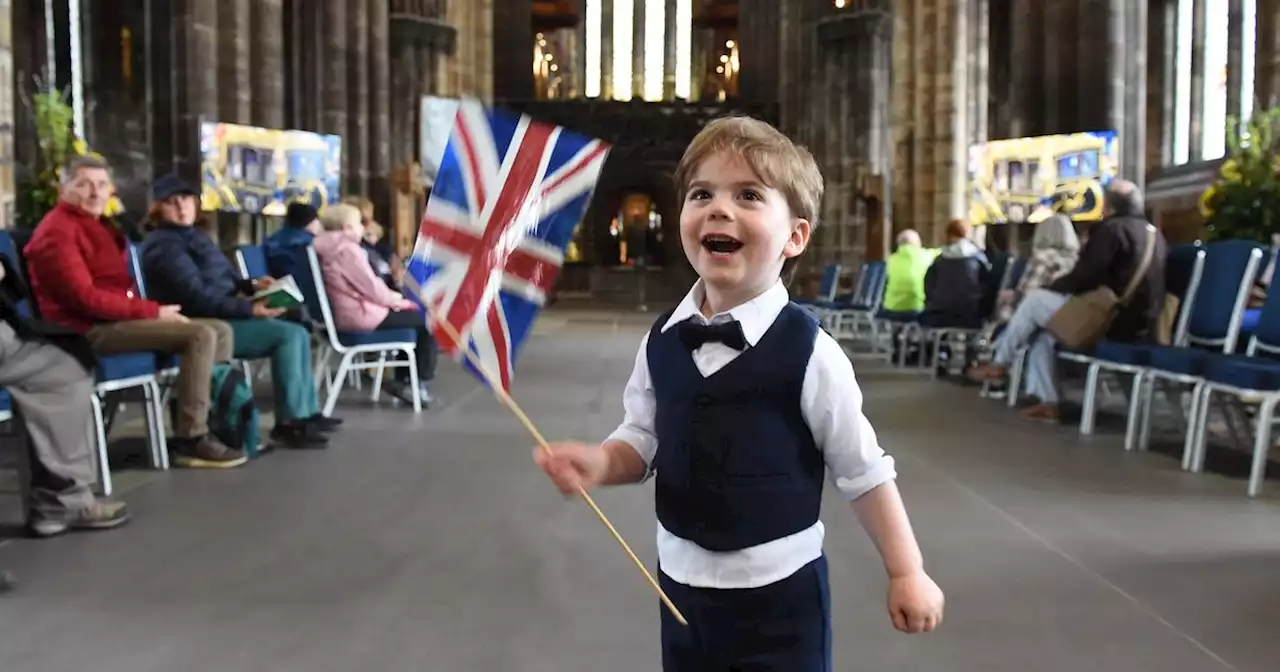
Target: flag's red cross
(489, 250)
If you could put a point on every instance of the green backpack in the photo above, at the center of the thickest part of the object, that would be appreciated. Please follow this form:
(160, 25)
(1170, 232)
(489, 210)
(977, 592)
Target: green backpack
(233, 417)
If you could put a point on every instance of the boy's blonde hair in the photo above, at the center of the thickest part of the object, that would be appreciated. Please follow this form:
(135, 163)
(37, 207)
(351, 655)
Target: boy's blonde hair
(336, 217)
(777, 161)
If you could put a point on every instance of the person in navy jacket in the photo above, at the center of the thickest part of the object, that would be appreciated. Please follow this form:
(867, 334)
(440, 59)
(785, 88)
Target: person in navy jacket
(738, 406)
(183, 266)
(301, 226)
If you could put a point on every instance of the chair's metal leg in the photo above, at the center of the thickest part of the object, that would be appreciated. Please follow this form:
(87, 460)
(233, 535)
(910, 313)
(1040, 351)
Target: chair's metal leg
(1013, 388)
(344, 367)
(1192, 423)
(353, 375)
(1136, 405)
(377, 376)
(161, 437)
(1144, 428)
(1262, 444)
(411, 352)
(1231, 412)
(1201, 430)
(100, 438)
(149, 411)
(1090, 408)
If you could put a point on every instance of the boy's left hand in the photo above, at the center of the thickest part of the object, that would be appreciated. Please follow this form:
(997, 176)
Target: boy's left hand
(915, 603)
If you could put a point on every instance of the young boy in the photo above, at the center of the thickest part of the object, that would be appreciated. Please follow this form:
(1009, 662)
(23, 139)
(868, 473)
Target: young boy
(738, 405)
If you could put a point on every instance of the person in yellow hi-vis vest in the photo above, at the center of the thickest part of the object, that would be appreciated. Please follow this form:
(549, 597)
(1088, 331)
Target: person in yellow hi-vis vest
(905, 271)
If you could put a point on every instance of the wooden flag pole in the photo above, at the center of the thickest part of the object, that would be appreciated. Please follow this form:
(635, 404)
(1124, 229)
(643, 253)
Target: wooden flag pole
(510, 403)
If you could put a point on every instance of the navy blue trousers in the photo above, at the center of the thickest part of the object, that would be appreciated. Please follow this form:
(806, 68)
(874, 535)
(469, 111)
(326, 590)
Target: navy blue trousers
(783, 626)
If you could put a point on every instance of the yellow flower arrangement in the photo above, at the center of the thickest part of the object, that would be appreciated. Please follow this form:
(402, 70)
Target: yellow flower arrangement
(1244, 200)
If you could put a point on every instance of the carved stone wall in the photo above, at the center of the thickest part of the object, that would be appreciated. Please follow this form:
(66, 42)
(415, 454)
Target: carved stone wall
(324, 65)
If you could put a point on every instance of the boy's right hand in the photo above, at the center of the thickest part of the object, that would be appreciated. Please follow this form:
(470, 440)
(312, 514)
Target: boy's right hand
(573, 466)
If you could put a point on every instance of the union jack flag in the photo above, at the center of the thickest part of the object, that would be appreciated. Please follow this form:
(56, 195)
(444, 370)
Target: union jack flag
(509, 193)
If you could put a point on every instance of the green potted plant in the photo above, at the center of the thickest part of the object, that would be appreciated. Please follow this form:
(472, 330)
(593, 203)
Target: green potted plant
(1244, 200)
(57, 142)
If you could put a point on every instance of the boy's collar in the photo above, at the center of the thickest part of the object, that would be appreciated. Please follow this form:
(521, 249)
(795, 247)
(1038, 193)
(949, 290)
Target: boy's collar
(755, 316)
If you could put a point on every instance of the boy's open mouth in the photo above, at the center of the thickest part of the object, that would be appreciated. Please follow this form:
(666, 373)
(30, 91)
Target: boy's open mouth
(721, 244)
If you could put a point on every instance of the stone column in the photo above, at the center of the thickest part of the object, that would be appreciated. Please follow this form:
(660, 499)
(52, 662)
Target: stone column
(356, 143)
(1235, 52)
(267, 63)
(637, 50)
(954, 95)
(196, 22)
(333, 98)
(234, 92)
(1133, 51)
(1168, 54)
(761, 49)
(979, 71)
(513, 49)
(857, 49)
(1019, 70)
(404, 87)
(1197, 79)
(380, 139)
(7, 197)
(669, 53)
(1267, 80)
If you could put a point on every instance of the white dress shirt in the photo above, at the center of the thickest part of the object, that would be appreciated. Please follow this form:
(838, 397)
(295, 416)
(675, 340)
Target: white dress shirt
(832, 407)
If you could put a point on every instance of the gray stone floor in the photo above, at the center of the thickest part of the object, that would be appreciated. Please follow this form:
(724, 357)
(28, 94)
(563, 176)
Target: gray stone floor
(431, 543)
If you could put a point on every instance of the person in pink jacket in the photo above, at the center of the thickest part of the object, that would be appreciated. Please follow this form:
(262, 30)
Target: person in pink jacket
(360, 300)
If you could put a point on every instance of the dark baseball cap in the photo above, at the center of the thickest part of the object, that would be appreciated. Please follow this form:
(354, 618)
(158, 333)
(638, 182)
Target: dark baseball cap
(169, 186)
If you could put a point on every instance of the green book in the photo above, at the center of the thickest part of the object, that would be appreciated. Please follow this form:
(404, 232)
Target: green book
(282, 293)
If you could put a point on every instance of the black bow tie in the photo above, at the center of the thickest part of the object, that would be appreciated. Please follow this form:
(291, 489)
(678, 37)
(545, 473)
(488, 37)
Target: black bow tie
(695, 335)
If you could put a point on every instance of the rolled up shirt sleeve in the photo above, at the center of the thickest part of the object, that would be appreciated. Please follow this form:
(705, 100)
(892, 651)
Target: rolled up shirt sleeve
(639, 406)
(831, 403)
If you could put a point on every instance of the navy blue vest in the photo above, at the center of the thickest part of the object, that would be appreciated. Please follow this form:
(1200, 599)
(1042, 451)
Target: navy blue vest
(737, 465)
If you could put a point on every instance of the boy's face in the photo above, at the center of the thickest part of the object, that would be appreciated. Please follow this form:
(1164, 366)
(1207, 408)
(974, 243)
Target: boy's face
(735, 230)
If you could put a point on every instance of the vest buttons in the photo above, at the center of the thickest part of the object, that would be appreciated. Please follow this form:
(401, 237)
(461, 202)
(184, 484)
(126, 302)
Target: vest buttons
(702, 402)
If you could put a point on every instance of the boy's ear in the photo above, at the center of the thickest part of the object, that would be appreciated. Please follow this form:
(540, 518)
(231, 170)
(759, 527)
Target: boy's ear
(799, 239)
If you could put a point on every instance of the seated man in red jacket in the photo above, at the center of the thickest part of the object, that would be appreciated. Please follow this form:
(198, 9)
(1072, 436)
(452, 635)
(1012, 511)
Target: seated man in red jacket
(80, 280)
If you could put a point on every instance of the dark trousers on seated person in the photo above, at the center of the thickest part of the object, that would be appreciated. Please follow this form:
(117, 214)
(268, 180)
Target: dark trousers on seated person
(426, 350)
(198, 345)
(782, 626)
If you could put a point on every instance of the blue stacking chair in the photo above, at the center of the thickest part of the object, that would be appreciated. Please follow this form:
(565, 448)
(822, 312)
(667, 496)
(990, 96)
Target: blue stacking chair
(251, 261)
(349, 345)
(115, 373)
(845, 319)
(828, 285)
(6, 415)
(167, 365)
(1184, 268)
(1209, 319)
(1251, 378)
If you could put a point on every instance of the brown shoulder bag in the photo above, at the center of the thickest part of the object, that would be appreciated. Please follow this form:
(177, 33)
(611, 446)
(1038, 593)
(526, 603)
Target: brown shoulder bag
(1085, 318)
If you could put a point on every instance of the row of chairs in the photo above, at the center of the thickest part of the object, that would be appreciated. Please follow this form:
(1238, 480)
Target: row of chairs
(152, 374)
(353, 349)
(860, 321)
(1202, 360)
(1213, 284)
(115, 374)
